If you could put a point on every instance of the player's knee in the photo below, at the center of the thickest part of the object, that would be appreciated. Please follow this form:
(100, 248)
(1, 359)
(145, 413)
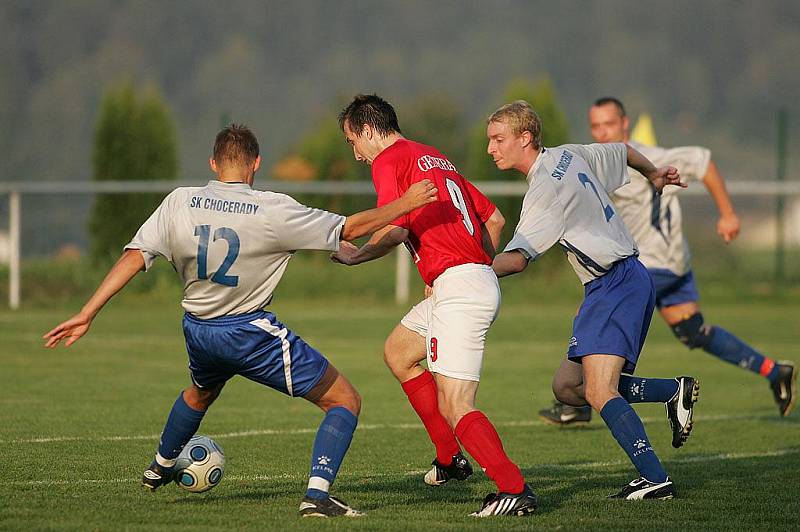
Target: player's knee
(200, 398)
(561, 391)
(693, 332)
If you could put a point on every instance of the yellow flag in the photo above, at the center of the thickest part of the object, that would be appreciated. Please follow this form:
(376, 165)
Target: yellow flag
(643, 131)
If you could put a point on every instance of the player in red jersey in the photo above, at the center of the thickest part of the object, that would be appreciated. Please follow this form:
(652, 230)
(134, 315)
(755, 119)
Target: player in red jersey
(452, 242)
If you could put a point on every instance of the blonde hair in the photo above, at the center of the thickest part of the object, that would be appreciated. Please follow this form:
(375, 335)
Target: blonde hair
(520, 117)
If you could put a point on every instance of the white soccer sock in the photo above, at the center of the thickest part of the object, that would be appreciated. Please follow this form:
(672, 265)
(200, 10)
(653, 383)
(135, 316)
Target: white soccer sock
(164, 462)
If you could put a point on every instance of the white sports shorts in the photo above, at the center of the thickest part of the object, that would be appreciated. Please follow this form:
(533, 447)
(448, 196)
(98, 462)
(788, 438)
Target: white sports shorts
(455, 319)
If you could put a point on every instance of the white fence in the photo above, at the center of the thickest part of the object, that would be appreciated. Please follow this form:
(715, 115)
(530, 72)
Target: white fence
(15, 191)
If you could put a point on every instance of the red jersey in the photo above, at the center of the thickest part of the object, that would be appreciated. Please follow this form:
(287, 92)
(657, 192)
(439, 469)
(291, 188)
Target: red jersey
(442, 234)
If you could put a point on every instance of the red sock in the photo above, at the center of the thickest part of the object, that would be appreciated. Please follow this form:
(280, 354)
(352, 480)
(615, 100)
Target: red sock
(478, 436)
(422, 394)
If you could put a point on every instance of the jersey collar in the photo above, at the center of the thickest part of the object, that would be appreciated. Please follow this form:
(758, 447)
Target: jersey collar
(536, 164)
(219, 185)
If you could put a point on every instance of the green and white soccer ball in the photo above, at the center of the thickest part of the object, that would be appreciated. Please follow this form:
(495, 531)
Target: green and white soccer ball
(200, 465)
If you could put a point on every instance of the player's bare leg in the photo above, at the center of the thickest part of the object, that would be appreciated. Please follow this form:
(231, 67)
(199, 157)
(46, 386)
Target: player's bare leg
(403, 351)
(601, 376)
(341, 403)
(183, 421)
(569, 407)
(687, 323)
(480, 439)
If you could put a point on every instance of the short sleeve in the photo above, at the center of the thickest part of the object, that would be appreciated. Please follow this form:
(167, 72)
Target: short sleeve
(300, 227)
(385, 177)
(608, 162)
(152, 238)
(541, 222)
(483, 206)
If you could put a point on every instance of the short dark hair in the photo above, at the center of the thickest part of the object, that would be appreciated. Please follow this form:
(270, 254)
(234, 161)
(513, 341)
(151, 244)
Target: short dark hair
(235, 145)
(369, 109)
(606, 100)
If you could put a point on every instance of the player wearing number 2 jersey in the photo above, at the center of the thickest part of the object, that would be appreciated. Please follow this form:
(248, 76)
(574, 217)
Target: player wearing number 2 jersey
(567, 203)
(451, 241)
(230, 245)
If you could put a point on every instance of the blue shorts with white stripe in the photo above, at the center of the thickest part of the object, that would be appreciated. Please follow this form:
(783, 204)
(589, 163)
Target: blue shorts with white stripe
(256, 346)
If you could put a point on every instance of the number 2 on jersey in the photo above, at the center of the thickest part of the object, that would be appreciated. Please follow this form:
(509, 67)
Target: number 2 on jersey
(224, 233)
(607, 209)
(458, 200)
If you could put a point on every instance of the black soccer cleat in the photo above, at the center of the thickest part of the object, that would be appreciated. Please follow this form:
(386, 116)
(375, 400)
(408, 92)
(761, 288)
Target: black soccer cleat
(508, 504)
(784, 387)
(459, 469)
(680, 409)
(327, 507)
(156, 476)
(641, 488)
(561, 414)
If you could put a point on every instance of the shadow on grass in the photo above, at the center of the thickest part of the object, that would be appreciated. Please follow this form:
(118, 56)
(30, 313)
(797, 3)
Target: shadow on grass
(714, 490)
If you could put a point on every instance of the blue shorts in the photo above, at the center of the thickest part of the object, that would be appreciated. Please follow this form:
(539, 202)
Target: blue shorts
(256, 346)
(615, 314)
(672, 289)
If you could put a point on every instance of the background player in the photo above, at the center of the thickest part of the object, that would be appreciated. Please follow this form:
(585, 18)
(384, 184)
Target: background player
(655, 222)
(451, 241)
(567, 203)
(230, 245)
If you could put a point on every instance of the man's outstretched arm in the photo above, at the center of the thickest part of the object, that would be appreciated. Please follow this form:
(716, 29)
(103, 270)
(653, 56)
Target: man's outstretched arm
(129, 264)
(509, 263)
(659, 177)
(381, 243)
(363, 223)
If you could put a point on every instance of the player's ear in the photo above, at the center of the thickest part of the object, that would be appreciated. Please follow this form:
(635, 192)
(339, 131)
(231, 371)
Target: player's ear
(213, 164)
(256, 164)
(367, 131)
(527, 138)
(625, 123)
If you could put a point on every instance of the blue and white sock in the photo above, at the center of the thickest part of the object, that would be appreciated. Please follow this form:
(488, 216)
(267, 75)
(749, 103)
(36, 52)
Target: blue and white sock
(182, 424)
(333, 439)
(639, 390)
(731, 349)
(629, 432)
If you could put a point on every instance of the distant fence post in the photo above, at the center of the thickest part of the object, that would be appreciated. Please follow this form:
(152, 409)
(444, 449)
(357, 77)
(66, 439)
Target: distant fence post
(403, 275)
(14, 248)
(780, 177)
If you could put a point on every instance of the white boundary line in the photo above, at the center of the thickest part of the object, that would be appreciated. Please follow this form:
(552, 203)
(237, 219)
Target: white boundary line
(299, 476)
(379, 426)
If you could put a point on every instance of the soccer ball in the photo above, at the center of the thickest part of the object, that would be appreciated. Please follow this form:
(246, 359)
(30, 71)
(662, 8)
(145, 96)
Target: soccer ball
(200, 465)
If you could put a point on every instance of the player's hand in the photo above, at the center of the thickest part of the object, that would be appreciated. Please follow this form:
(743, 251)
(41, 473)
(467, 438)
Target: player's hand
(666, 175)
(421, 193)
(728, 227)
(346, 254)
(428, 291)
(72, 330)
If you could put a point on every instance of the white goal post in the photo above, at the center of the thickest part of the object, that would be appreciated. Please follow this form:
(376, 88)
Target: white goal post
(16, 190)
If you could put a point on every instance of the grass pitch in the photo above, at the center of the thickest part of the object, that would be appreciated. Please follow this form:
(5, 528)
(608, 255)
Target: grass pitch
(79, 425)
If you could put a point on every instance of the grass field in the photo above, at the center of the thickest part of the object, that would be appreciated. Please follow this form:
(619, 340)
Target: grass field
(78, 426)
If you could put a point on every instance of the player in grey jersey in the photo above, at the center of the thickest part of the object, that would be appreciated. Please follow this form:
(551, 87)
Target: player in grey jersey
(655, 221)
(230, 245)
(567, 203)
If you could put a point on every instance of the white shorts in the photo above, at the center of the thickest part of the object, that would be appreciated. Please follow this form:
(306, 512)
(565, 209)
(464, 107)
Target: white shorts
(455, 319)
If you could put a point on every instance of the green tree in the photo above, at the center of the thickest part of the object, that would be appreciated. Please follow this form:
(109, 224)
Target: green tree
(134, 140)
(436, 120)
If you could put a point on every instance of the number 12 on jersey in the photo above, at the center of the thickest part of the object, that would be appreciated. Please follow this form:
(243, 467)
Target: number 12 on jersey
(457, 198)
(224, 233)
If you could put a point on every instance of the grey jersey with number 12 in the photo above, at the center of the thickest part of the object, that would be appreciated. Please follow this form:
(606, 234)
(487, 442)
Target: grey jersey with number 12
(230, 244)
(568, 203)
